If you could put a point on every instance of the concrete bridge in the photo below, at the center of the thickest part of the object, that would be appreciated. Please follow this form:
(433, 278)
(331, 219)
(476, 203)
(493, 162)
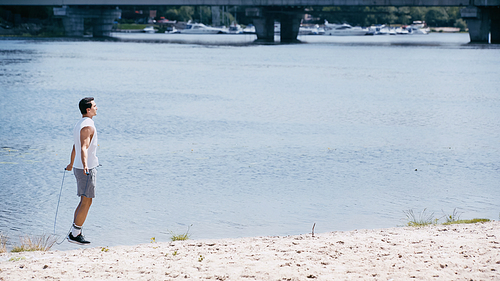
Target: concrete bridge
(482, 16)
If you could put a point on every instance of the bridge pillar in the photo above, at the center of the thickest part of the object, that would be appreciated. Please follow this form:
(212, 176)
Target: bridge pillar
(478, 22)
(73, 27)
(264, 29)
(263, 22)
(495, 25)
(73, 20)
(102, 24)
(215, 15)
(290, 24)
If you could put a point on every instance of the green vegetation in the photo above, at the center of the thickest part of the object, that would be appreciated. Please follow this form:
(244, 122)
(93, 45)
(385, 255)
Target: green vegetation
(453, 217)
(355, 15)
(366, 16)
(466, 221)
(131, 26)
(460, 23)
(153, 241)
(180, 237)
(36, 21)
(201, 14)
(424, 219)
(35, 243)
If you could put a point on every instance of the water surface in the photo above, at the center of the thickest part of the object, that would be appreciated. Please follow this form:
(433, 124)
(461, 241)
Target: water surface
(240, 139)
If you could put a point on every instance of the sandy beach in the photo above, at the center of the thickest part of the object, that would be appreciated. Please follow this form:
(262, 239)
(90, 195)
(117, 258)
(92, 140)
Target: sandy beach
(456, 252)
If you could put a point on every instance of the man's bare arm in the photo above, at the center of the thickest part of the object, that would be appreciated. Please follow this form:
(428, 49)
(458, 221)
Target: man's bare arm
(86, 134)
(72, 159)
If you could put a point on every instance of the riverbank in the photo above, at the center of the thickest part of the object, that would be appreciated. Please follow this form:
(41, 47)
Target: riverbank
(454, 252)
(48, 29)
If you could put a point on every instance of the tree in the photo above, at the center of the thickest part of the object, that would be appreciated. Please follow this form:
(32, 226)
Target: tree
(460, 23)
(186, 13)
(437, 17)
(417, 13)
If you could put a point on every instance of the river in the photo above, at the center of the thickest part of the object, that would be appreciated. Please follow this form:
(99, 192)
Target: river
(226, 138)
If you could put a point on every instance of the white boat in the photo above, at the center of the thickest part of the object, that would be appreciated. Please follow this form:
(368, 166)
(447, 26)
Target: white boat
(311, 30)
(418, 27)
(405, 30)
(382, 29)
(249, 29)
(379, 30)
(149, 29)
(344, 30)
(305, 30)
(200, 28)
(235, 28)
(167, 25)
(171, 29)
(415, 31)
(402, 31)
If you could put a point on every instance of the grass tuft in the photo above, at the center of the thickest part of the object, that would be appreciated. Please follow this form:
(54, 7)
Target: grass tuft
(453, 217)
(422, 219)
(35, 243)
(180, 237)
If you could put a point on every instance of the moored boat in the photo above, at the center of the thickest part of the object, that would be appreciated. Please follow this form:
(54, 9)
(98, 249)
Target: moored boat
(200, 28)
(235, 28)
(249, 29)
(418, 28)
(311, 30)
(343, 30)
(149, 29)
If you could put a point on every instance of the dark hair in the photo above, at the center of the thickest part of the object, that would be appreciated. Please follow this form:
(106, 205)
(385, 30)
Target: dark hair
(84, 104)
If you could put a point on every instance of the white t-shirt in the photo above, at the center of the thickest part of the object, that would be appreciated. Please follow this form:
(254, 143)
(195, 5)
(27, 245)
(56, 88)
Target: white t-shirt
(92, 160)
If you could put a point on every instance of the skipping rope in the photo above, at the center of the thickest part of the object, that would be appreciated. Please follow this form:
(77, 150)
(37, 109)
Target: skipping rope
(59, 200)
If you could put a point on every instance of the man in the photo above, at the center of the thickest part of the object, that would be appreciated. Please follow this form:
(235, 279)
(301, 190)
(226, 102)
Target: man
(84, 152)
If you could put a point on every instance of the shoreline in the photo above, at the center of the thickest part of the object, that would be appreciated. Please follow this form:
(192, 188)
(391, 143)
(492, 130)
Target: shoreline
(437, 252)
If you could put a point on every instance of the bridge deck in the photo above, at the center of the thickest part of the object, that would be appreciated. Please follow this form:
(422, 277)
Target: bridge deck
(254, 2)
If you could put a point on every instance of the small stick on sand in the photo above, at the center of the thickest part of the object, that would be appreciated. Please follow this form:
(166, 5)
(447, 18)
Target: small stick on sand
(313, 229)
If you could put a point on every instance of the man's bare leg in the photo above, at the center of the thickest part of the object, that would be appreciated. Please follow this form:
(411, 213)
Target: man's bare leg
(82, 210)
(80, 215)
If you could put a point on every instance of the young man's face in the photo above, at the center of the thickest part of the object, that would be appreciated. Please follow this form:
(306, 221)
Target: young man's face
(92, 111)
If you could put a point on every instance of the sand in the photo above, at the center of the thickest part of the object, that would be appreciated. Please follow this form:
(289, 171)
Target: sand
(457, 252)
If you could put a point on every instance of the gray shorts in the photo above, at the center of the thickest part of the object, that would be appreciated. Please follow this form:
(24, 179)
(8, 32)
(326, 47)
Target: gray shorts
(85, 184)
